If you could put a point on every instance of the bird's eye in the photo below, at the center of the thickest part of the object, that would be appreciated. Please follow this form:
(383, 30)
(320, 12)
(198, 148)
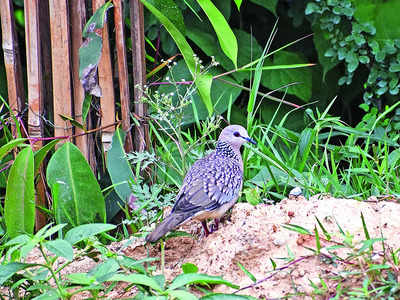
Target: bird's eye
(237, 134)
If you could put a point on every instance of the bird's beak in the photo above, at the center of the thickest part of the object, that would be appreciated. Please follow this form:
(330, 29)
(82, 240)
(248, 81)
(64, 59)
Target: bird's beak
(250, 140)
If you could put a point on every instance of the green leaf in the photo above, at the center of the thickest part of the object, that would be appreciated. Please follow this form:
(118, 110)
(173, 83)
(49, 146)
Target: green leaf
(277, 78)
(322, 44)
(306, 140)
(105, 270)
(381, 14)
(196, 278)
(11, 145)
(296, 228)
(85, 107)
(19, 206)
(8, 270)
(81, 278)
(219, 296)
(60, 248)
(267, 4)
(80, 199)
(189, 268)
(41, 154)
(85, 231)
(138, 279)
(251, 276)
(252, 196)
(98, 19)
(90, 51)
(118, 166)
(226, 38)
(182, 295)
(238, 4)
(186, 51)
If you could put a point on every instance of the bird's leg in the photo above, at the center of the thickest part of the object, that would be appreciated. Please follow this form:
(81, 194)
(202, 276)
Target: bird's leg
(204, 224)
(214, 227)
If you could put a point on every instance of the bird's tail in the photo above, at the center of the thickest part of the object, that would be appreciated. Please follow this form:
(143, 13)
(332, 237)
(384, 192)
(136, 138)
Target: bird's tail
(169, 223)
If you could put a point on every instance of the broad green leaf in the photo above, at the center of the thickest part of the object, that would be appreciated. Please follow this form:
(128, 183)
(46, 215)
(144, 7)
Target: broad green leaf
(219, 296)
(60, 248)
(275, 79)
(322, 44)
(138, 279)
(226, 38)
(41, 154)
(11, 145)
(98, 19)
(294, 118)
(8, 270)
(81, 278)
(383, 15)
(80, 199)
(192, 278)
(221, 93)
(103, 271)
(90, 52)
(182, 295)
(19, 206)
(267, 4)
(85, 231)
(118, 166)
(186, 51)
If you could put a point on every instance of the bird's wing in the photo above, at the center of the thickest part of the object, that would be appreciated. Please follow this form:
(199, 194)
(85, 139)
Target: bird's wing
(208, 185)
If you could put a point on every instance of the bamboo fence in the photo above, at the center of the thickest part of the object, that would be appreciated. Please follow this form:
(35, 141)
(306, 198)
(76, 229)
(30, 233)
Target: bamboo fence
(53, 35)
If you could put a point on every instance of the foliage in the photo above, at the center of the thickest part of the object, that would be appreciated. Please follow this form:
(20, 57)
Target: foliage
(372, 275)
(77, 198)
(359, 33)
(33, 280)
(19, 204)
(205, 24)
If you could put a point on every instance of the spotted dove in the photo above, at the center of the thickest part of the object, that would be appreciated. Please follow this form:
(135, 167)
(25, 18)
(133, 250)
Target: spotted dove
(211, 186)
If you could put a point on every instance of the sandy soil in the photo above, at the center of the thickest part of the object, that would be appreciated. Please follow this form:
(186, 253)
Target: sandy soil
(255, 235)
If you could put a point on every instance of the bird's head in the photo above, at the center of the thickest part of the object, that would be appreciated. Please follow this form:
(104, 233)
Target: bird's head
(235, 135)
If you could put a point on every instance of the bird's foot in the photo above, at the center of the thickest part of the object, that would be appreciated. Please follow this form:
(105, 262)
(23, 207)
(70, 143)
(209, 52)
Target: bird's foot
(205, 227)
(214, 227)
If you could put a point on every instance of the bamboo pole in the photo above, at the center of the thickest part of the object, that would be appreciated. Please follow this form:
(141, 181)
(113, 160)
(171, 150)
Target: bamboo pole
(78, 20)
(106, 84)
(141, 139)
(122, 72)
(35, 90)
(12, 60)
(34, 67)
(61, 66)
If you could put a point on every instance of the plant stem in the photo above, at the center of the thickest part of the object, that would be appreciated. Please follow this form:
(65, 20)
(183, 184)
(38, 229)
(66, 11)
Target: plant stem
(162, 256)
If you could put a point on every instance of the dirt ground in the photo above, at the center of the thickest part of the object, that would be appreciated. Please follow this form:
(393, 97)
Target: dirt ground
(255, 235)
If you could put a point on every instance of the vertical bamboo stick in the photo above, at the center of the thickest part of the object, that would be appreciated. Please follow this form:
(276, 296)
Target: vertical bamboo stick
(122, 72)
(78, 20)
(141, 139)
(12, 61)
(106, 84)
(34, 68)
(35, 87)
(62, 96)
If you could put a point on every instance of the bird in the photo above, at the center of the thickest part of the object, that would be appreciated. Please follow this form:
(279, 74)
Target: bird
(211, 186)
